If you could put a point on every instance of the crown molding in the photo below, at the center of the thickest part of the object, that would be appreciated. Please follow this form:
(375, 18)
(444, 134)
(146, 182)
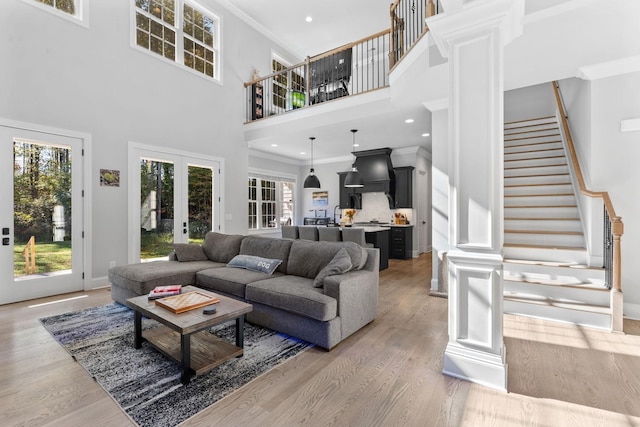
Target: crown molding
(260, 28)
(610, 68)
(278, 158)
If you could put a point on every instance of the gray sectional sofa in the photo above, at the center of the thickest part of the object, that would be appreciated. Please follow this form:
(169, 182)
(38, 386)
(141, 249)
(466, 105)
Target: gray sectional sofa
(320, 292)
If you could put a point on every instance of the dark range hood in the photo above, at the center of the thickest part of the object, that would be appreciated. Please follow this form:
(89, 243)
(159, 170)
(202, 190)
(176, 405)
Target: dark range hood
(376, 170)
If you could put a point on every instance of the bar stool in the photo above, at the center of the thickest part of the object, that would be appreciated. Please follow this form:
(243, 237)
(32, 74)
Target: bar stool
(329, 234)
(308, 232)
(351, 234)
(289, 231)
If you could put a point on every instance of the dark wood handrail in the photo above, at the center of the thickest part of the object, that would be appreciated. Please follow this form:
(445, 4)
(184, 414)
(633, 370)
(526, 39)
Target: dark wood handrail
(320, 56)
(617, 227)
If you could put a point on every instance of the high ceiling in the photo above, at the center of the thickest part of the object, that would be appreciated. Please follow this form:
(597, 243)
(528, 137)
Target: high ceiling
(334, 23)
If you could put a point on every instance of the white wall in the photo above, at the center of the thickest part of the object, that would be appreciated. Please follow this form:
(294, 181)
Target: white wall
(59, 74)
(529, 103)
(615, 169)
(440, 190)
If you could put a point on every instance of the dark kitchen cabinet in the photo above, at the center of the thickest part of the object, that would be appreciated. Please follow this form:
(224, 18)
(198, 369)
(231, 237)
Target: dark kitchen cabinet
(404, 187)
(349, 199)
(401, 246)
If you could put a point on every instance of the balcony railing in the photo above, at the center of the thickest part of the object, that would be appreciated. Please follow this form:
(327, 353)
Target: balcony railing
(408, 24)
(352, 69)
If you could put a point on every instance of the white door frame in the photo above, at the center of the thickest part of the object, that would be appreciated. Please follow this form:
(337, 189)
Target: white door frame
(137, 150)
(86, 219)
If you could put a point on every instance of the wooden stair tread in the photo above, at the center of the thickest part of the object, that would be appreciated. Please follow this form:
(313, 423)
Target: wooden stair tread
(542, 184)
(564, 248)
(529, 131)
(555, 282)
(541, 206)
(540, 195)
(537, 175)
(532, 137)
(536, 158)
(549, 232)
(530, 143)
(533, 299)
(513, 218)
(530, 120)
(535, 166)
(533, 151)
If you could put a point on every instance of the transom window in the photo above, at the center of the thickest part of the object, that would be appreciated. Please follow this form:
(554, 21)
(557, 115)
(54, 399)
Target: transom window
(72, 10)
(67, 6)
(179, 31)
(270, 203)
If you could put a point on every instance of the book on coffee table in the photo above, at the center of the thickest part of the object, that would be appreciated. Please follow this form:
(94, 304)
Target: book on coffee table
(187, 301)
(164, 291)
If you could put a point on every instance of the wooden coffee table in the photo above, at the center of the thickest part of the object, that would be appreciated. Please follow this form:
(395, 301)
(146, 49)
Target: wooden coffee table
(184, 336)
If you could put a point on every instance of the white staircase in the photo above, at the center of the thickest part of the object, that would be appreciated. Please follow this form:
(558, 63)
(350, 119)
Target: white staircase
(546, 271)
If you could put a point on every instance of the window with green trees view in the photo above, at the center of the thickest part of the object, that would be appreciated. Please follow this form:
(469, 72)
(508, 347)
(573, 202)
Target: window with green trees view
(67, 6)
(270, 203)
(189, 38)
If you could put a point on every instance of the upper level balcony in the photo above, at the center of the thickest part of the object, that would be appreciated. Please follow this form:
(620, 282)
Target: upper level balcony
(356, 68)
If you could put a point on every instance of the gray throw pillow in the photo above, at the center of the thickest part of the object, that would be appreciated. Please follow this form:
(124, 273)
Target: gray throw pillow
(189, 252)
(255, 263)
(341, 263)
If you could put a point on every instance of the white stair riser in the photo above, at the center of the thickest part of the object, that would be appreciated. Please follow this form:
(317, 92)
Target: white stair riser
(554, 255)
(533, 154)
(529, 163)
(595, 320)
(515, 140)
(538, 189)
(525, 180)
(542, 225)
(531, 131)
(522, 149)
(587, 296)
(557, 240)
(541, 170)
(546, 121)
(592, 275)
(547, 200)
(517, 212)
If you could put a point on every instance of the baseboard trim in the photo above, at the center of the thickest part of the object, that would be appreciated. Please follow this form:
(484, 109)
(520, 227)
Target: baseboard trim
(631, 311)
(97, 283)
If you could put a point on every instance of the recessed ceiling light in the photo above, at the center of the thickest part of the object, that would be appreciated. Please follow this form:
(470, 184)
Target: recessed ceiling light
(409, 121)
(308, 19)
(274, 145)
(426, 134)
(356, 145)
(302, 152)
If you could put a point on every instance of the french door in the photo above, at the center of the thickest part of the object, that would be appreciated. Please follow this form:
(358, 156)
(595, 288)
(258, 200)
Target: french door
(40, 214)
(175, 199)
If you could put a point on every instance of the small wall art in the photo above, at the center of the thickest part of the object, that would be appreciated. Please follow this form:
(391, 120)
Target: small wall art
(320, 198)
(109, 178)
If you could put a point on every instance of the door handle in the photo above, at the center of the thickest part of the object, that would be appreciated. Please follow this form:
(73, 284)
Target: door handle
(5, 241)
(5, 231)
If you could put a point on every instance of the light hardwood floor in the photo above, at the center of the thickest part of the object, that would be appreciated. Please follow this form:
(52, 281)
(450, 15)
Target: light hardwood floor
(387, 374)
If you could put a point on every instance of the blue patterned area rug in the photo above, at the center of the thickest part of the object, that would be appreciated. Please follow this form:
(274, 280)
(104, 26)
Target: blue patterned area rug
(144, 382)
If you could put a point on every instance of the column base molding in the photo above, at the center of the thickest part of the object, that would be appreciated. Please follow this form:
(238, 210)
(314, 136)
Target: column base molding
(480, 367)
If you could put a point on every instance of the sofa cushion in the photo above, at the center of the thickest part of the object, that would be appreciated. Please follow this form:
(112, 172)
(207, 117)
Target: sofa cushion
(231, 281)
(141, 278)
(267, 247)
(293, 294)
(221, 247)
(308, 258)
(341, 263)
(189, 252)
(255, 263)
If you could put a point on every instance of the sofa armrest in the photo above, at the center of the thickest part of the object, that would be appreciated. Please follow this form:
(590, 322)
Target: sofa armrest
(357, 295)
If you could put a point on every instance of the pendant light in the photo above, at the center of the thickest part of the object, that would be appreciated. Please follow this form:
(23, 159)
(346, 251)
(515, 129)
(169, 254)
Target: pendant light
(312, 180)
(353, 178)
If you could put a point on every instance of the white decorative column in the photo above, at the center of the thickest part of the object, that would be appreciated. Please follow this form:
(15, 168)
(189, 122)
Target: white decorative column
(472, 35)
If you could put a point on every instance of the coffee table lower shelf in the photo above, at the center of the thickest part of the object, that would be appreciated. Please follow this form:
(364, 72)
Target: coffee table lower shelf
(207, 350)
